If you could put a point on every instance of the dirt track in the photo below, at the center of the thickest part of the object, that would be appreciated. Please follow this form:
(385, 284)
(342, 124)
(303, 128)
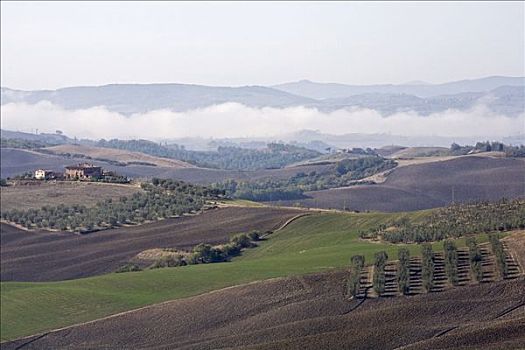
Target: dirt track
(51, 256)
(309, 313)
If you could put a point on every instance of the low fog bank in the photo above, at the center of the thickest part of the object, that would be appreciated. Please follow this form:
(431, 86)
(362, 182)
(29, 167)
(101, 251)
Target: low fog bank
(233, 120)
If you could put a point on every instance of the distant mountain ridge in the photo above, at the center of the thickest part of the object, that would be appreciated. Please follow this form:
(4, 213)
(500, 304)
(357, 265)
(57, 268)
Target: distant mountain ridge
(140, 98)
(504, 95)
(321, 91)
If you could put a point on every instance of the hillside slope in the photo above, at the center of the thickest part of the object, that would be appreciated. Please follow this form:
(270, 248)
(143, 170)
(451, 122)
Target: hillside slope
(333, 90)
(309, 312)
(18, 161)
(51, 256)
(139, 98)
(429, 185)
(117, 155)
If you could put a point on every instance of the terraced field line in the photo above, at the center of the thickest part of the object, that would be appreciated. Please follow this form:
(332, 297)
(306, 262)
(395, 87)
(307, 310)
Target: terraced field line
(289, 221)
(510, 250)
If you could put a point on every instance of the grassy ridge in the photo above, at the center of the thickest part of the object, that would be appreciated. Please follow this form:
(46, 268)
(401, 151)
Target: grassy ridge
(309, 244)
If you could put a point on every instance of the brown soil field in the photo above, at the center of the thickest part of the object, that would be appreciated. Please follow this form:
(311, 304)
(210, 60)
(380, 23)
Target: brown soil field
(308, 312)
(118, 155)
(51, 256)
(38, 194)
(429, 185)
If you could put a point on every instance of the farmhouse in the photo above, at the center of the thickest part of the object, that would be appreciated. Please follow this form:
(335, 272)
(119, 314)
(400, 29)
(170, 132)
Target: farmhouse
(84, 171)
(42, 174)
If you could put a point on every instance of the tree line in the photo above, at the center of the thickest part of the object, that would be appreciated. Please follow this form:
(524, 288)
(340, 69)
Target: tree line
(403, 271)
(499, 252)
(451, 261)
(203, 253)
(454, 221)
(475, 258)
(427, 266)
(379, 280)
(275, 155)
(353, 283)
(340, 174)
(168, 198)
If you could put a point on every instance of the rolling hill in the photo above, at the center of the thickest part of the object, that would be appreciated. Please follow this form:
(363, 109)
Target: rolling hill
(322, 91)
(428, 185)
(309, 313)
(310, 244)
(51, 256)
(19, 161)
(501, 94)
(116, 155)
(139, 98)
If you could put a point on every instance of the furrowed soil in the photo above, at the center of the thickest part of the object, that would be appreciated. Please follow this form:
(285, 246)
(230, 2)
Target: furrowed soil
(52, 256)
(428, 185)
(308, 312)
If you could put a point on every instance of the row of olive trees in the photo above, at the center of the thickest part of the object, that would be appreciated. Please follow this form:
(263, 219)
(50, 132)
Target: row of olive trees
(403, 271)
(497, 249)
(451, 261)
(475, 258)
(380, 259)
(427, 266)
(353, 283)
(155, 202)
(454, 221)
(204, 253)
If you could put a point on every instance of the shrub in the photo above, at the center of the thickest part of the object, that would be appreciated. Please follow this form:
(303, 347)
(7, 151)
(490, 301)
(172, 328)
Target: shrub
(242, 240)
(170, 261)
(129, 267)
(205, 253)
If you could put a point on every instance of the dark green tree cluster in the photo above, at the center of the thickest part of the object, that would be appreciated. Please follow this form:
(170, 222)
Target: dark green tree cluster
(455, 221)
(353, 283)
(380, 259)
(3, 182)
(344, 173)
(475, 258)
(451, 261)
(155, 202)
(499, 252)
(276, 155)
(403, 271)
(21, 143)
(427, 266)
(363, 167)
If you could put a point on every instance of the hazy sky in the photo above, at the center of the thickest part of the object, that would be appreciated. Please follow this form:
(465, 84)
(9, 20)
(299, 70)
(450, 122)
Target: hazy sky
(57, 44)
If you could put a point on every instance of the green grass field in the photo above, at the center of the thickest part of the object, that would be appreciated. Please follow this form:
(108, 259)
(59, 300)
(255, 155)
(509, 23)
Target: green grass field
(313, 243)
